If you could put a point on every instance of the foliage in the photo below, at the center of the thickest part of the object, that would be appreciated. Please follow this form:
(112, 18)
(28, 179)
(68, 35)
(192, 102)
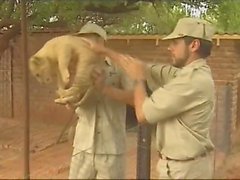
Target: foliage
(227, 17)
(124, 16)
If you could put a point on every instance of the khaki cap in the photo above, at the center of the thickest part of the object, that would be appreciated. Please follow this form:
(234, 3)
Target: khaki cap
(90, 28)
(193, 27)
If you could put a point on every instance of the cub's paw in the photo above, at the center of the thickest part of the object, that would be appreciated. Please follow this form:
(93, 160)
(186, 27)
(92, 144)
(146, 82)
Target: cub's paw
(60, 101)
(65, 100)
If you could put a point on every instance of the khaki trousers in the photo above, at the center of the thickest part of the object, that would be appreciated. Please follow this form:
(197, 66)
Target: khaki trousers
(199, 168)
(96, 166)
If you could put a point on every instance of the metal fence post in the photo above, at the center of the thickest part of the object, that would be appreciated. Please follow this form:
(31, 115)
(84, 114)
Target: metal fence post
(144, 151)
(26, 92)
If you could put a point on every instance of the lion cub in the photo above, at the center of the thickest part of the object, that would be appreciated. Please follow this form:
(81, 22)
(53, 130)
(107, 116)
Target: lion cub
(54, 59)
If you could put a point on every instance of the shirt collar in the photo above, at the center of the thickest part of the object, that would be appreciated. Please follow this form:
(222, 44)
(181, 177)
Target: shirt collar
(197, 63)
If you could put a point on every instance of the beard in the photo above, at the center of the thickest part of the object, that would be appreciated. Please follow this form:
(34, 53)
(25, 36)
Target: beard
(180, 62)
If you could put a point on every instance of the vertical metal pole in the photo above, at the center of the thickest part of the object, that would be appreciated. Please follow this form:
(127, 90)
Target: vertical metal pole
(144, 151)
(227, 128)
(26, 93)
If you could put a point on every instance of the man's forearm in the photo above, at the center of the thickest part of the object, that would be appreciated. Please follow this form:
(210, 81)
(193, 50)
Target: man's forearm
(140, 94)
(114, 56)
(124, 96)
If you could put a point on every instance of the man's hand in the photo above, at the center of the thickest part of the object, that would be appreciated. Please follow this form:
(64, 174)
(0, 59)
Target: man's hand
(133, 67)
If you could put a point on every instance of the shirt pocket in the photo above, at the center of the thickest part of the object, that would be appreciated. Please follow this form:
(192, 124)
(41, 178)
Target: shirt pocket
(113, 78)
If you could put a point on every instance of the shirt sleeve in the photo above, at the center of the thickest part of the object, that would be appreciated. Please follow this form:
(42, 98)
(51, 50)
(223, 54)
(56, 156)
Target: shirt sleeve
(171, 100)
(159, 75)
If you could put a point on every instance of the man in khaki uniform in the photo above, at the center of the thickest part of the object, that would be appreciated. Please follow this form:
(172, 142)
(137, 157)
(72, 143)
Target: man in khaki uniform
(182, 100)
(99, 142)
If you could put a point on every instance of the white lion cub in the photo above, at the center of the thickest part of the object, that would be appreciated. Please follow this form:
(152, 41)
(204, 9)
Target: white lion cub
(54, 59)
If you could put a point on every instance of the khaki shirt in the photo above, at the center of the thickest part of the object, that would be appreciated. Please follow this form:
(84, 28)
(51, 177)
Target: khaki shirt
(101, 126)
(182, 105)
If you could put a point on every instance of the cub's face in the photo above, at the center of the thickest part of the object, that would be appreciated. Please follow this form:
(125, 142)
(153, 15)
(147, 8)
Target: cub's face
(41, 69)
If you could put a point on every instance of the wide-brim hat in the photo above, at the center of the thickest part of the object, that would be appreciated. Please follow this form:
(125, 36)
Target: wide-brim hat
(193, 27)
(91, 28)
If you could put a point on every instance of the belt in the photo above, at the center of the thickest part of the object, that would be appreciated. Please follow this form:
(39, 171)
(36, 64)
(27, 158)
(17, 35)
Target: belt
(161, 156)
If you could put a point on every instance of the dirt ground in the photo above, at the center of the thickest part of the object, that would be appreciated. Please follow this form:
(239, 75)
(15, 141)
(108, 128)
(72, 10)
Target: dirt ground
(50, 160)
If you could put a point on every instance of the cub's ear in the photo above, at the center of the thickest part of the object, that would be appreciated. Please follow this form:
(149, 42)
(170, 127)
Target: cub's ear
(36, 61)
